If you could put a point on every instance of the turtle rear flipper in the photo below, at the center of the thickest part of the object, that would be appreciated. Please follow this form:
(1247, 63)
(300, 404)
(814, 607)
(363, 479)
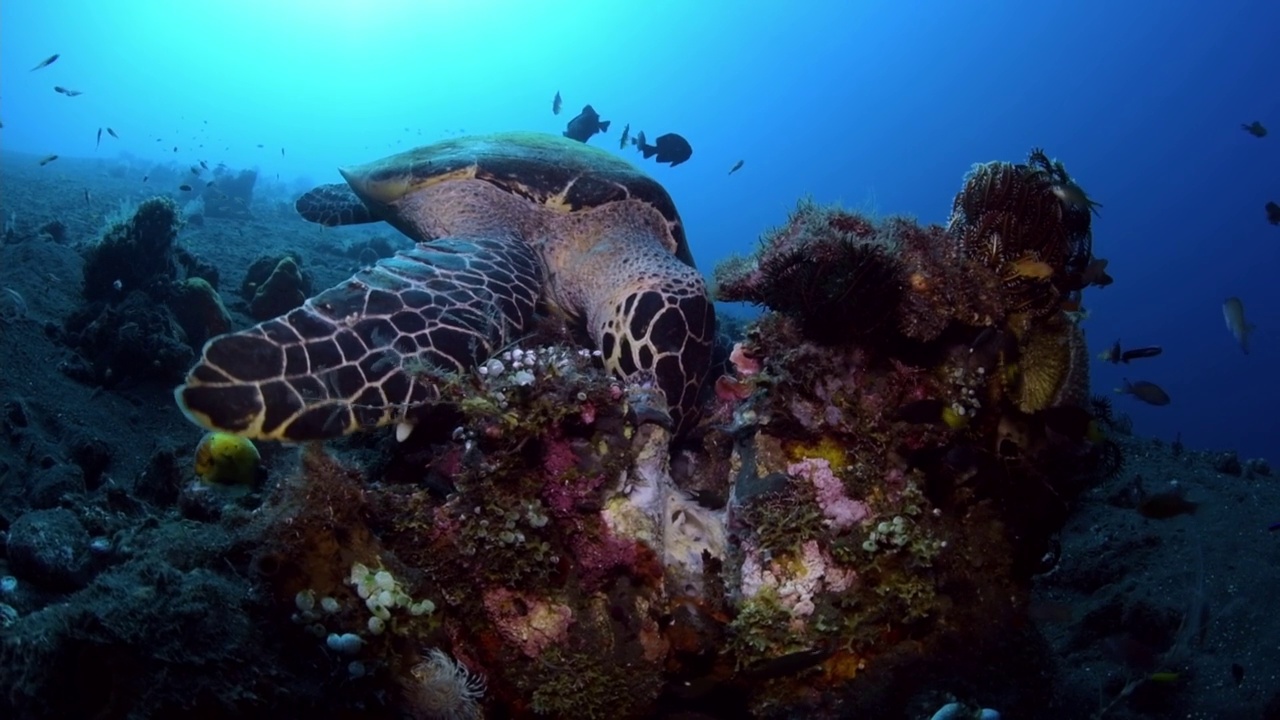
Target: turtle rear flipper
(356, 356)
(334, 204)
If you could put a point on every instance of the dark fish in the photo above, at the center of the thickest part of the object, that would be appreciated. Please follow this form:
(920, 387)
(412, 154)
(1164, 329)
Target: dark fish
(1115, 355)
(209, 184)
(1254, 128)
(1241, 329)
(736, 167)
(1237, 672)
(47, 62)
(670, 148)
(113, 134)
(281, 152)
(1147, 392)
(556, 103)
(1142, 352)
(175, 148)
(1273, 213)
(65, 91)
(1095, 274)
(195, 170)
(184, 187)
(626, 135)
(47, 159)
(144, 178)
(99, 143)
(204, 165)
(586, 124)
(1274, 526)
(1167, 504)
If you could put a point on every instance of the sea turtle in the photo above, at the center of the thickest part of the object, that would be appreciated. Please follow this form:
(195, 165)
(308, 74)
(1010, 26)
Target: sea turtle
(506, 225)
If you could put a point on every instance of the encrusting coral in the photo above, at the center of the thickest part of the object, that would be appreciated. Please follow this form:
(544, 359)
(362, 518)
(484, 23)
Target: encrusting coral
(877, 475)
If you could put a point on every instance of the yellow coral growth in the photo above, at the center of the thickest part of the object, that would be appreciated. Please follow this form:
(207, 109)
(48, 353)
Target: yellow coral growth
(827, 449)
(1054, 366)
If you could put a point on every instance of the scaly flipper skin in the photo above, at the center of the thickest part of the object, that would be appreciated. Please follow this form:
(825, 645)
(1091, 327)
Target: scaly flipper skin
(338, 364)
(568, 225)
(332, 205)
(647, 311)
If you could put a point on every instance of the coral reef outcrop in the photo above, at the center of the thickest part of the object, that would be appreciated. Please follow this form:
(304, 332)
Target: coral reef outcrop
(149, 303)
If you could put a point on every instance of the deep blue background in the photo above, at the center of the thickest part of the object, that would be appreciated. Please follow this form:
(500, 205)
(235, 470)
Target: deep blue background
(881, 105)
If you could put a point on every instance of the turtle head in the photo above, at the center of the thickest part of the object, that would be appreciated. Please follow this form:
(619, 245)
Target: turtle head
(378, 190)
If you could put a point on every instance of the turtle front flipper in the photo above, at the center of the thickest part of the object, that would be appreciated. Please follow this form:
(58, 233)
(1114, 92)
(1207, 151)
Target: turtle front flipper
(334, 204)
(338, 363)
(651, 318)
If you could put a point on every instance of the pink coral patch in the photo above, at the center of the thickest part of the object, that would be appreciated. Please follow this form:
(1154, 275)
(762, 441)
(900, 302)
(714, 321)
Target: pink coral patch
(742, 362)
(841, 511)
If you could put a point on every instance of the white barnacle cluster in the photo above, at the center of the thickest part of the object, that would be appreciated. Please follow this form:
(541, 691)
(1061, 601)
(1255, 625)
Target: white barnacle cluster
(519, 367)
(312, 611)
(968, 384)
(889, 534)
(382, 594)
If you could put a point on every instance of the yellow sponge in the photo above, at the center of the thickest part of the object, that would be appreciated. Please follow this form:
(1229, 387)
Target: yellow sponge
(226, 459)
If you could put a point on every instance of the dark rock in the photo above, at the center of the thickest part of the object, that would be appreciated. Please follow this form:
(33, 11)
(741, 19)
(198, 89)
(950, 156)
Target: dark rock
(1257, 467)
(161, 482)
(231, 194)
(274, 286)
(137, 338)
(16, 414)
(1228, 463)
(93, 455)
(196, 267)
(134, 253)
(50, 548)
(48, 487)
(199, 310)
(55, 229)
(197, 502)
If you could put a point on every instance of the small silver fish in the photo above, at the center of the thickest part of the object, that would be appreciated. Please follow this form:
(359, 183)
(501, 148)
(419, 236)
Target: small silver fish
(1233, 313)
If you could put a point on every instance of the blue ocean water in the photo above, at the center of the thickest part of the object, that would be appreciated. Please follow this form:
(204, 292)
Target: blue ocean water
(880, 105)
